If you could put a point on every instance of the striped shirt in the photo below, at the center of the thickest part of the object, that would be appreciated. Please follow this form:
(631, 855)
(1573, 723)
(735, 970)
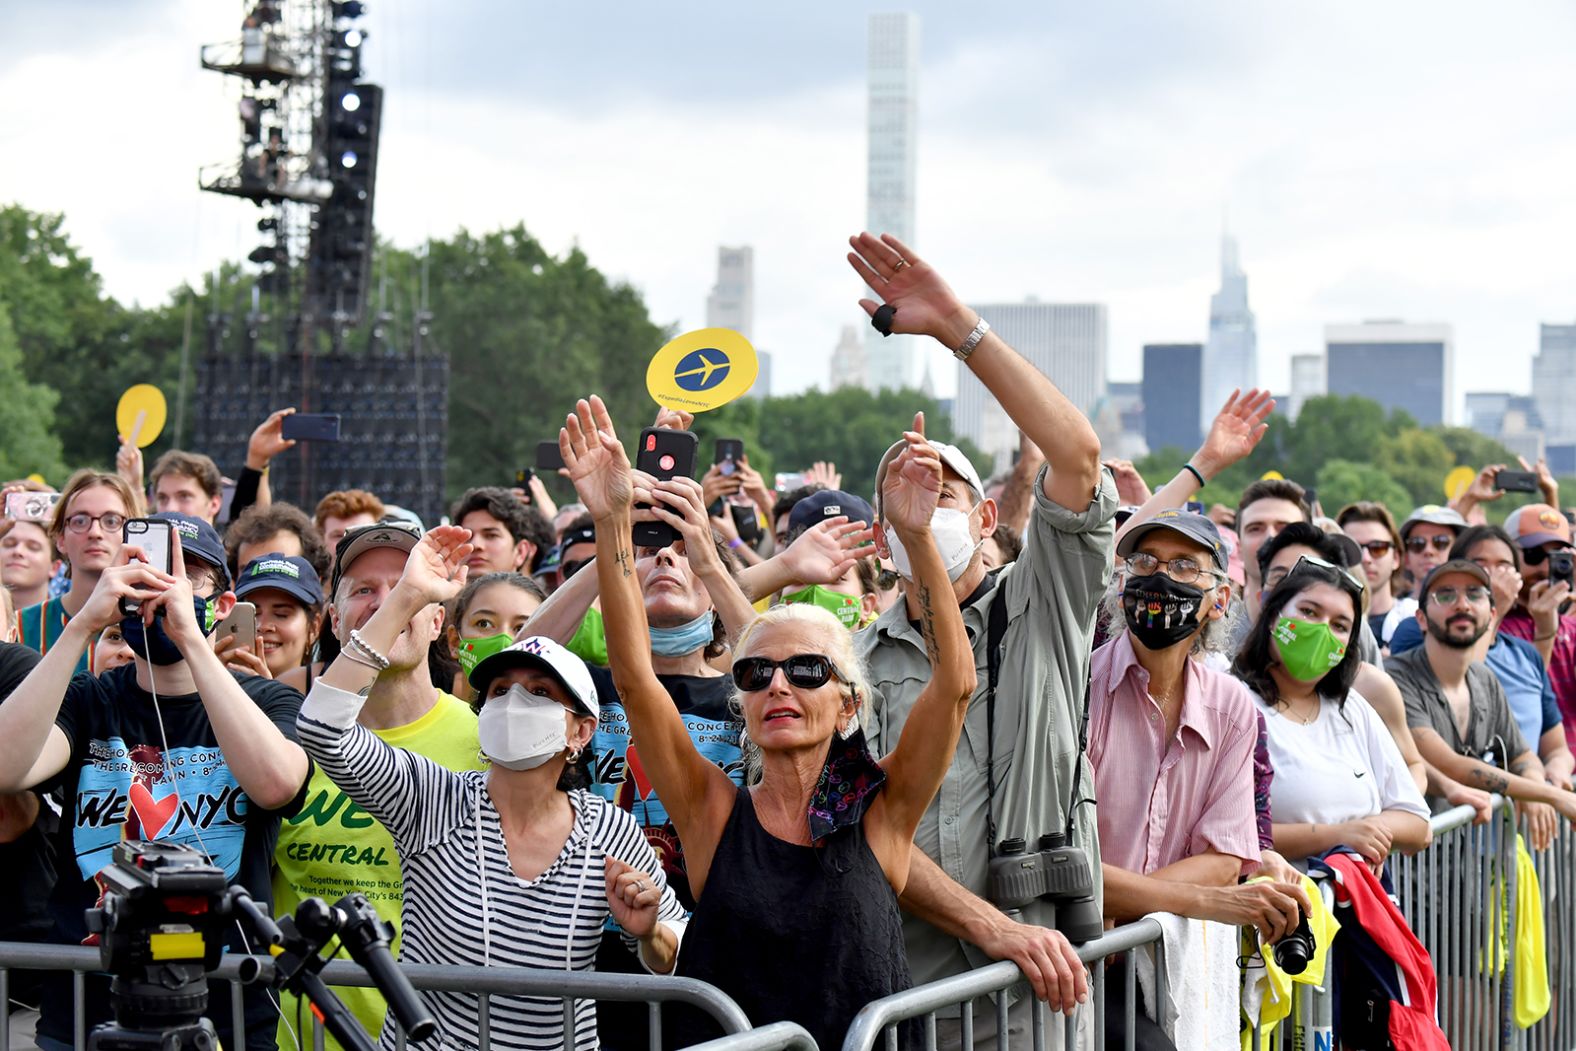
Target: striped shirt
(40, 626)
(434, 815)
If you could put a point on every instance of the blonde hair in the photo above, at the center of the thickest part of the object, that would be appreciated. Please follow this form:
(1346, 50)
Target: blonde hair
(81, 482)
(840, 648)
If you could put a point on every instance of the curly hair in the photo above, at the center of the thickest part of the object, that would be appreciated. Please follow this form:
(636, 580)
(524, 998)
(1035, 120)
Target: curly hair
(259, 522)
(347, 503)
(523, 521)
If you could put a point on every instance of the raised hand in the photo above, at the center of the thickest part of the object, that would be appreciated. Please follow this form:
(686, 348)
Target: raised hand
(268, 440)
(673, 419)
(596, 462)
(925, 305)
(1130, 485)
(679, 503)
(128, 464)
(823, 472)
(912, 485)
(824, 553)
(1482, 490)
(436, 569)
(241, 659)
(131, 577)
(1236, 431)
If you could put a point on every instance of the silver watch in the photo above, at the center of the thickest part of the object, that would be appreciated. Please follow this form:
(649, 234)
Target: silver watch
(963, 352)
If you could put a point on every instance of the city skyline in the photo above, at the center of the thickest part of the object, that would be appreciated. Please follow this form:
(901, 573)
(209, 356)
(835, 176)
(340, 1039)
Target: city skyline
(1079, 155)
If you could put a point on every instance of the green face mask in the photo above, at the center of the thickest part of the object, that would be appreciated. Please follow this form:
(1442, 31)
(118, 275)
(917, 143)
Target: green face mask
(844, 607)
(589, 643)
(1307, 651)
(474, 651)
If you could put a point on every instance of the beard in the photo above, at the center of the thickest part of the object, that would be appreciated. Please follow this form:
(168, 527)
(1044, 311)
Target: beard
(1441, 632)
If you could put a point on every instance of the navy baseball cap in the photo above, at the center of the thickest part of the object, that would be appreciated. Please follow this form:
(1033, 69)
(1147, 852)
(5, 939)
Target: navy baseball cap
(828, 503)
(1194, 527)
(199, 540)
(291, 574)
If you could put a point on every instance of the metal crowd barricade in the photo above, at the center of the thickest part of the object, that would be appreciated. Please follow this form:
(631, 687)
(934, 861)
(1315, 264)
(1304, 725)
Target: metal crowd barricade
(924, 1001)
(779, 1036)
(488, 982)
(1555, 867)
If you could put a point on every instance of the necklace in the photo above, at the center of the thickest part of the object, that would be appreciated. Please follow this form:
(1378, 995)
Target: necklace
(1304, 719)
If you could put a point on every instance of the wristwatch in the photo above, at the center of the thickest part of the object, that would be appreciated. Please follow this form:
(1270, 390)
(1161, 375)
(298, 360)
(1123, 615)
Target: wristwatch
(980, 328)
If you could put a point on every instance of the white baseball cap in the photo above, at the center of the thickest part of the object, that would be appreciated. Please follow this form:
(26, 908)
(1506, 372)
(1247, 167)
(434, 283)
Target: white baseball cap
(541, 652)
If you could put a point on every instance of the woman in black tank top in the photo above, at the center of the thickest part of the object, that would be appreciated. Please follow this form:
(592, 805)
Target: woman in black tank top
(797, 877)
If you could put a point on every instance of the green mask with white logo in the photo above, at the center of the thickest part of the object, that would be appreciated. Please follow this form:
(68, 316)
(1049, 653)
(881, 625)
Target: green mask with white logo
(474, 651)
(1308, 651)
(843, 606)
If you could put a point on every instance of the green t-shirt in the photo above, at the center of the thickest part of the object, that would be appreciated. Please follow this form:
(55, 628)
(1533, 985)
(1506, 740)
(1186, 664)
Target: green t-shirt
(40, 627)
(333, 848)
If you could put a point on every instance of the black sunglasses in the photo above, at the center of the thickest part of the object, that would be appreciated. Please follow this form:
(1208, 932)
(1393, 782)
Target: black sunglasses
(1439, 542)
(804, 670)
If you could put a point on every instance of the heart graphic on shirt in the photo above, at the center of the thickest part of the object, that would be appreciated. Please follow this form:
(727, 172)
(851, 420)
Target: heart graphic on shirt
(151, 813)
(637, 773)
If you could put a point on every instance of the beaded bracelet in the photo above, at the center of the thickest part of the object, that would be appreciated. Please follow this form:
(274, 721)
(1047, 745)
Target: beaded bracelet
(360, 643)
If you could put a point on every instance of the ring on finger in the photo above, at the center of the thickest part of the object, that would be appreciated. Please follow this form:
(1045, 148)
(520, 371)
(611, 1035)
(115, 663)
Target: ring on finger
(900, 264)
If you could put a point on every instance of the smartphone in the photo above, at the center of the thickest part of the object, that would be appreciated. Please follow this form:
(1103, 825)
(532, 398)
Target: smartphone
(310, 427)
(1194, 506)
(30, 506)
(1562, 566)
(1516, 481)
(788, 482)
(663, 454)
(729, 452)
(523, 477)
(155, 537)
(242, 623)
(548, 456)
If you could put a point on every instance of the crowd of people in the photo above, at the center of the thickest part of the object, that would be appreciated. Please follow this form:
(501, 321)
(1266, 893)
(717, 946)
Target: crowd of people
(648, 732)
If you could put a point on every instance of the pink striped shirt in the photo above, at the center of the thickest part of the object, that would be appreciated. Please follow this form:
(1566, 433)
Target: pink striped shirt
(1160, 801)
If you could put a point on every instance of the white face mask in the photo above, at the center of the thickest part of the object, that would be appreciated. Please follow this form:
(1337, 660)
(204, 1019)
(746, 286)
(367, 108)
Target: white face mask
(957, 545)
(520, 730)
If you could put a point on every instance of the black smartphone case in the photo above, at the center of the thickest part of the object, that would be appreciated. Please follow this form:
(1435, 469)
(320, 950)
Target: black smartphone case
(657, 446)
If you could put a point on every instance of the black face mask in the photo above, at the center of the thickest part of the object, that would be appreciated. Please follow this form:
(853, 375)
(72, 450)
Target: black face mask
(1160, 612)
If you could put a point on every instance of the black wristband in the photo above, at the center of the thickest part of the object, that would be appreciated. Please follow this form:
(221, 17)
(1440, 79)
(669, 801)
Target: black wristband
(1194, 472)
(881, 320)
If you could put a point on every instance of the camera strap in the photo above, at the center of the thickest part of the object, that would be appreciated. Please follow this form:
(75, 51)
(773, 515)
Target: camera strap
(995, 634)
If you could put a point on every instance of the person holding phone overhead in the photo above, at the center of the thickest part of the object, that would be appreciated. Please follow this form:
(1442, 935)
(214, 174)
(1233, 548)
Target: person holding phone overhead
(173, 733)
(810, 858)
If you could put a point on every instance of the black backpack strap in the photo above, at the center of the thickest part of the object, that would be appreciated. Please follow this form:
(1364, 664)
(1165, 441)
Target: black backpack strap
(995, 632)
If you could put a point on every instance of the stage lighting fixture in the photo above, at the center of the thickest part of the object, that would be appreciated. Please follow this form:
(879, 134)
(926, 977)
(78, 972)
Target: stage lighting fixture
(265, 225)
(347, 159)
(262, 254)
(348, 8)
(350, 102)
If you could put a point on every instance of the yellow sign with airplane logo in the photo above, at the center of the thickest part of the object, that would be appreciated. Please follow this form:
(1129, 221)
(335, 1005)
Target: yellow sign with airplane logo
(702, 370)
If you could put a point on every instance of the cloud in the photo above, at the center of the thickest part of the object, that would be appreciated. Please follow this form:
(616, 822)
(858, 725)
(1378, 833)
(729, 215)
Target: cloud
(1376, 161)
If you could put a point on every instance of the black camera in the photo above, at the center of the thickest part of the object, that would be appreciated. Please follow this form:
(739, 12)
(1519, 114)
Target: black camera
(1293, 951)
(1057, 873)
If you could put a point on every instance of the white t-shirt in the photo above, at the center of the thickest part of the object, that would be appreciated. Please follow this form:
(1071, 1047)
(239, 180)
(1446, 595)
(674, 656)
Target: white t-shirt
(1342, 766)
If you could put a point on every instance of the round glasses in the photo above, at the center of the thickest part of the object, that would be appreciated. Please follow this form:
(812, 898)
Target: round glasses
(805, 670)
(81, 522)
(1475, 595)
(1183, 570)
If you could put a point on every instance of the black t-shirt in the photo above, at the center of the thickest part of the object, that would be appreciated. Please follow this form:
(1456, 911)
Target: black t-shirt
(120, 783)
(27, 869)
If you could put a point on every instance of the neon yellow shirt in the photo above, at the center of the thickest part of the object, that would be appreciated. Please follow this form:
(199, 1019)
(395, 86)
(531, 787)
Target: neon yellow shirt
(333, 848)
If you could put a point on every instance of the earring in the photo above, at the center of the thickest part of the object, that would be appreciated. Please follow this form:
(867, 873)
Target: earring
(574, 756)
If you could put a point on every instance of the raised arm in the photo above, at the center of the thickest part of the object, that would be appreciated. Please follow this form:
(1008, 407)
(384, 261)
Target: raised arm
(561, 615)
(1235, 433)
(679, 503)
(926, 306)
(822, 554)
(930, 736)
(696, 793)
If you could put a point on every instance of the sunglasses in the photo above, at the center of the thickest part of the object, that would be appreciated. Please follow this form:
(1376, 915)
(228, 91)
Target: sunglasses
(1344, 578)
(1536, 556)
(805, 670)
(1379, 548)
(1439, 542)
(886, 580)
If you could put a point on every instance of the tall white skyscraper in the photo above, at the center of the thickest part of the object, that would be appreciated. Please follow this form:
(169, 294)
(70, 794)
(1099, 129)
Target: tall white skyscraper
(891, 159)
(848, 360)
(1307, 381)
(1231, 355)
(1066, 341)
(732, 300)
(1554, 382)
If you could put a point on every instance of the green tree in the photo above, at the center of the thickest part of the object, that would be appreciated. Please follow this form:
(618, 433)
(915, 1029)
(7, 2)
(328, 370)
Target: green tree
(27, 442)
(1343, 482)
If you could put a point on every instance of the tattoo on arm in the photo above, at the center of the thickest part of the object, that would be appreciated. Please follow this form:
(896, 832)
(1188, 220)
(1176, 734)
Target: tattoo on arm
(927, 621)
(1491, 779)
(622, 557)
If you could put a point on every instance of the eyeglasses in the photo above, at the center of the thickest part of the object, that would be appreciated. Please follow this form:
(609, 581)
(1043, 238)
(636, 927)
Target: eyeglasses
(1183, 570)
(1536, 556)
(1439, 542)
(81, 522)
(1476, 595)
(886, 580)
(1378, 548)
(805, 670)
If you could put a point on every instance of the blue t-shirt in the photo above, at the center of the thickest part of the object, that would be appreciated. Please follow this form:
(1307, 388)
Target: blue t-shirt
(1519, 668)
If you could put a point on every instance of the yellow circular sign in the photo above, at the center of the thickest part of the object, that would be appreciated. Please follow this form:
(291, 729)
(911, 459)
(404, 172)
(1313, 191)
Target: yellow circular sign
(1272, 476)
(702, 370)
(36, 479)
(140, 414)
(1458, 481)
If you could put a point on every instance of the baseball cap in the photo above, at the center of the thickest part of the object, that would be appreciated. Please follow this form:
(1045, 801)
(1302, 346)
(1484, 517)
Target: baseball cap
(1455, 565)
(291, 574)
(200, 540)
(950, 455)
(1434, 514)
(828, 503)
(1187, 524)
(402, 536)
(541, 652)
(1536, 525)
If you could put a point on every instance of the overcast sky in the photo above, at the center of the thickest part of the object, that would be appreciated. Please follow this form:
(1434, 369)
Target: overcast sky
(1400, 160)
